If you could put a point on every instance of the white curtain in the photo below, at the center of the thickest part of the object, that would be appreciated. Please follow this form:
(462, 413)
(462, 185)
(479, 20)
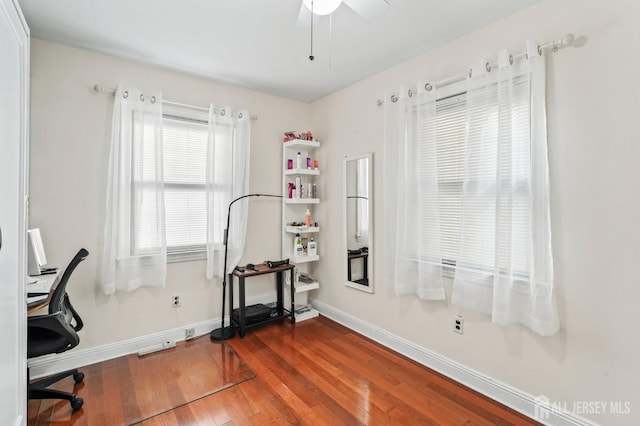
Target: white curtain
(504, 265)
(228, 154)
(412, 217)
(135, 249)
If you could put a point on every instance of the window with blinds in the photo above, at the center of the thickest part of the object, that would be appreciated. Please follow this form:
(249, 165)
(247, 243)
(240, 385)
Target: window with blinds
(451, 114)
(184, 145)
(452, 118)
(185, 151)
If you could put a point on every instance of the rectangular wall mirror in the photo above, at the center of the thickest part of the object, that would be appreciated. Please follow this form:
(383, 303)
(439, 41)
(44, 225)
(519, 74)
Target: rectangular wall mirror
(358, 223)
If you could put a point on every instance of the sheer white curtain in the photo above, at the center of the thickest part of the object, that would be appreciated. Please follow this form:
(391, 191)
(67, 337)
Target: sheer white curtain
(504, 265)
(412, 216)
(228, 154)
(135, 249)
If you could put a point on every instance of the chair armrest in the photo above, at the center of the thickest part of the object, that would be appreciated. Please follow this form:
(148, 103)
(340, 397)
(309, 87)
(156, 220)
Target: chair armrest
(55, 323)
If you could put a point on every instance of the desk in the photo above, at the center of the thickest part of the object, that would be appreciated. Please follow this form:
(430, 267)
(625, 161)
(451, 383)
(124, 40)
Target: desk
(365, 271)
(279, 312)
(41, 284)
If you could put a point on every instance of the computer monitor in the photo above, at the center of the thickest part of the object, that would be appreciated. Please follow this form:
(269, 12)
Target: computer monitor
(37, 259)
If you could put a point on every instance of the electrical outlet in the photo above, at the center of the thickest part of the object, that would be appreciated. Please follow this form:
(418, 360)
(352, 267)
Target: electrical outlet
(175, 300)
(189, 333)
(458, 324)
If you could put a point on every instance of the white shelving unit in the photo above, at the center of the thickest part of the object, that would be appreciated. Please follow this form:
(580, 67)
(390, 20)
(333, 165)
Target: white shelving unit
(293, 210)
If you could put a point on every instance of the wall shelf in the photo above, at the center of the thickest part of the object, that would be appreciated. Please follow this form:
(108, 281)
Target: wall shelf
(302, 229)
(304, 287)
(302, 200)
(293, 211)
(312, 313)
(305, 259)
(301, 144)
(308, 172)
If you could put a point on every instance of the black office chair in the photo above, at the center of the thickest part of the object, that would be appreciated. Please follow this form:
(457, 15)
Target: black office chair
(56, 332)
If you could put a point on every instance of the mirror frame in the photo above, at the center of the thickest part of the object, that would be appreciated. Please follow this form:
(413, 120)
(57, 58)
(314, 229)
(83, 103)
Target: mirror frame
(369, 157)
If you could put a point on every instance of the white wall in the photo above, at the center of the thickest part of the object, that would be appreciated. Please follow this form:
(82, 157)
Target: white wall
(594, 156)
(593, 153)
(70, 127)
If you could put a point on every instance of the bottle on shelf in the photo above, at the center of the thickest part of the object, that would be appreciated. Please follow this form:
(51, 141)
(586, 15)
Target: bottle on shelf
(297, 246)
(298, 188)
(299, 160)
(313, 247)
(307, 218)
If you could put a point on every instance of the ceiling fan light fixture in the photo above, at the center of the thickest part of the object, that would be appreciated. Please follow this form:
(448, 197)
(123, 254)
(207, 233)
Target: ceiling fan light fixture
(322, 7)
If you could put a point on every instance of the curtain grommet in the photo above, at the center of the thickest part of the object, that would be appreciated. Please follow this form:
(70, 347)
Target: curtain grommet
(410, 93)
(141, 97)
(510, 59)
(487, 66)
(394, 98)
(153, 99)
(470, 74)
(125, 94)
(428, 87)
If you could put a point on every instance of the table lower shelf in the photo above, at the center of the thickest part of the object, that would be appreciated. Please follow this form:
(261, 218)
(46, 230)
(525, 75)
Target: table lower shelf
(273, 316)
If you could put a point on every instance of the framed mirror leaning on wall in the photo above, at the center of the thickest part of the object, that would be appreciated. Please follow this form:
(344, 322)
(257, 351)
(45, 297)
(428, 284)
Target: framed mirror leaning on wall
(358, 221)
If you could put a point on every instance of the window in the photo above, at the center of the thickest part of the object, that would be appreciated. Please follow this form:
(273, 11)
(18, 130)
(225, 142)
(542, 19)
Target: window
(451, 128)
(452, 113)
(184, 151)
(450, 133)
(184, 143)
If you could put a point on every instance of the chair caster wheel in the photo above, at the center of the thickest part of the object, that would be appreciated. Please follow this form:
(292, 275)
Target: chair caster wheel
(78, 377)
(76, 403)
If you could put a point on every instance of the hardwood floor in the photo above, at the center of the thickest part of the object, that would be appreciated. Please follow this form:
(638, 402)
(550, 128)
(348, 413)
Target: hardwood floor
(319, 372)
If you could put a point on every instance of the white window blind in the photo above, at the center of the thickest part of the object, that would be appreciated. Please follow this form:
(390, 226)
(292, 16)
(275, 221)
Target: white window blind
(184, 145)
(185, 153)
(451, 130)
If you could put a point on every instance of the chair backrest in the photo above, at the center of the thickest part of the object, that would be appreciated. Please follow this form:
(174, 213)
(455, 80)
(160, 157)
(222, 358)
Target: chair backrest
(60, 299)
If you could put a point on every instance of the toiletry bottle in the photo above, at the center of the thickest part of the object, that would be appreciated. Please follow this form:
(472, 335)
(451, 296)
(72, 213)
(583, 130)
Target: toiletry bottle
(313, 247)
(297, 246)
(307, 218)
(314, 191)
(309, 163)
(298, 190)
(308, 193)
(299, 160)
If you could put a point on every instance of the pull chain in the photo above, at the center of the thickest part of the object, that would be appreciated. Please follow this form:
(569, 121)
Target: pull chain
(311, 57)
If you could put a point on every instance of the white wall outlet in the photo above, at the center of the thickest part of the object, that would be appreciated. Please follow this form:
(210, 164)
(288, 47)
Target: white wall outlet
(189, 333)
(458, 324)
(175, 300)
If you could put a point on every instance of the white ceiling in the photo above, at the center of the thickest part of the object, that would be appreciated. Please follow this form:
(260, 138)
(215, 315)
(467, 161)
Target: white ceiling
(256, 43)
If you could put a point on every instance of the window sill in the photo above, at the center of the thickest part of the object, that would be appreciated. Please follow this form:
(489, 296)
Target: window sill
(186, 257)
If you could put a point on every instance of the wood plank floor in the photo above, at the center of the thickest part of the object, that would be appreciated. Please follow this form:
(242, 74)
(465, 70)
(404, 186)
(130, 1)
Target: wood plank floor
(318, 372)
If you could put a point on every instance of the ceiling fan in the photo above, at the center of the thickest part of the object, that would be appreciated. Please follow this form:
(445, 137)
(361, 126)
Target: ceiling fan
(368, 9)
(312, 10)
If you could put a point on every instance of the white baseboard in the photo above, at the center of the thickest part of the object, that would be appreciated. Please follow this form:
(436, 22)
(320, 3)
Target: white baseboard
(51, 364)
(533, 407)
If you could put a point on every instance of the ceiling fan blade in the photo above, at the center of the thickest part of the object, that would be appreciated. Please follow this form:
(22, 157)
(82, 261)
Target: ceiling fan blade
(368, 9)
(304, 17)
